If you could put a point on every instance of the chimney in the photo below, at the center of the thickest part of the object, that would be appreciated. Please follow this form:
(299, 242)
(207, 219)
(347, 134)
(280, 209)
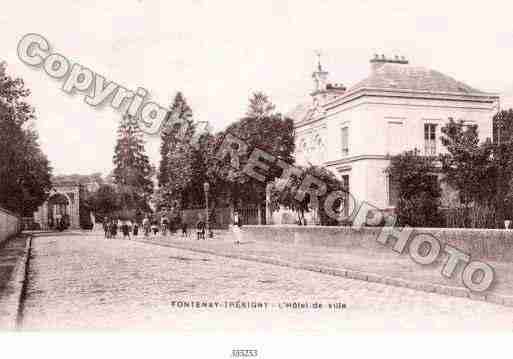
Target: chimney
(379, 61)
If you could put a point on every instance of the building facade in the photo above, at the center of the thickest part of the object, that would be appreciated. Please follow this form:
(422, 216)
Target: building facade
(398, 107)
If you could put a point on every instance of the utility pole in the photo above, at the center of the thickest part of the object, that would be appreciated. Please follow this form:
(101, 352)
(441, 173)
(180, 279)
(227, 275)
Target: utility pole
(500, 170)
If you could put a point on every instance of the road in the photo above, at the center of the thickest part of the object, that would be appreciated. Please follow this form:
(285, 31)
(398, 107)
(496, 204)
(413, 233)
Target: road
(87, 282)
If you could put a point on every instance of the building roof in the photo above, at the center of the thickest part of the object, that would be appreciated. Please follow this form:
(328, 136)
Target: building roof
(417, 78)
(398, 75)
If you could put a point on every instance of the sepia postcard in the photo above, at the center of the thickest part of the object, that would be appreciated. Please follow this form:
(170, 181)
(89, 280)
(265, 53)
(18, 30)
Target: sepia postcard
(267, 168)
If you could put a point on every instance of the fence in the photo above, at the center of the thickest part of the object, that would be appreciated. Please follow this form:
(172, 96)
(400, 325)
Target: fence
(9, 224)
(251, 215)
(220, 218)
(471, 217)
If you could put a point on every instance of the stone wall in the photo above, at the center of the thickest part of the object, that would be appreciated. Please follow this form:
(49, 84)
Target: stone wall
(9, 224)
(483, 244)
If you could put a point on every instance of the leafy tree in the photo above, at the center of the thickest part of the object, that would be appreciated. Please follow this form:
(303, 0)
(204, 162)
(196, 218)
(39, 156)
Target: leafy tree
(260, 106)
(185, 167)
(418, 189)
(272, 134)
(105, 201)
(133, 171)
(25, 172)
(12, 97)
(286, 195)
(85, 208)
(468, 165)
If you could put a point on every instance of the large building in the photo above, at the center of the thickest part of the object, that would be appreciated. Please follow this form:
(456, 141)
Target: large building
(353, 131)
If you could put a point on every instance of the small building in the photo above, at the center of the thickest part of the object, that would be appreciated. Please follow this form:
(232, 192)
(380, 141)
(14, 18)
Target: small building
(63, 203)
(398, 107)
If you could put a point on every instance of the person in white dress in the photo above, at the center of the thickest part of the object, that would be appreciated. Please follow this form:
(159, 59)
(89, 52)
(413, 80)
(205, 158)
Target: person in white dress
(237, 232)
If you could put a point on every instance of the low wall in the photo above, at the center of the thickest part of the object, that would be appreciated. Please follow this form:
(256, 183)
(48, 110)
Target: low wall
(483, 244)
(9, 224)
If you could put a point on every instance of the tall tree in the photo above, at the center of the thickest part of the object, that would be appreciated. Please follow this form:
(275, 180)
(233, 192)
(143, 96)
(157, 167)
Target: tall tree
(171, 133)
(260, 105)
(503, 163)
(133, 171)
(25, 172)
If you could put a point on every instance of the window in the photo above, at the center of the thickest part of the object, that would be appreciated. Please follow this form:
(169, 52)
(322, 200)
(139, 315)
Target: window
(345, 141)
(319, 148)
(429, 139)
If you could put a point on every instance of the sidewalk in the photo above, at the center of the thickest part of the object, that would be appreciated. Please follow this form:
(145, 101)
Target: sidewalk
(13, 259)
(384, 267)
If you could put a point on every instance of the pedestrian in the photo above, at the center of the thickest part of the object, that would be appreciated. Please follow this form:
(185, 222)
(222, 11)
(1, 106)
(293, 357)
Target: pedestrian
(237, 223)
(146, 226)
(164, 225)
(106, 227)
(136, 229)
(184, 229)
(125, 229)
(200, 226)
(113, 229)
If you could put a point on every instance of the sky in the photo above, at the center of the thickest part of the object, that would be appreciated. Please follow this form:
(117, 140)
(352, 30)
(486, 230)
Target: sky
(218, 52)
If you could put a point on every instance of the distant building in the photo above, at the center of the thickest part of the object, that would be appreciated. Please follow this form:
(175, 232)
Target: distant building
(397, 107)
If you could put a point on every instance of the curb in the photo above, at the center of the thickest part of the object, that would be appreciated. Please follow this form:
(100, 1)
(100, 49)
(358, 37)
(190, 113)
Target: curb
(358, 275)
(13, 302)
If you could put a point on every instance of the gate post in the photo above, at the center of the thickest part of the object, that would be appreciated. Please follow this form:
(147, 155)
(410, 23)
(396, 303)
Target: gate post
(268, 212)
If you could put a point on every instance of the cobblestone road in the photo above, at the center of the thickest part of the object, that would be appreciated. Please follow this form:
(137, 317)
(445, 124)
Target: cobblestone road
(88, 282)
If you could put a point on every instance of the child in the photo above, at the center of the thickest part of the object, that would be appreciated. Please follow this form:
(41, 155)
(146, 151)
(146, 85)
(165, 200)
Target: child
(154, 229)
(236, 227)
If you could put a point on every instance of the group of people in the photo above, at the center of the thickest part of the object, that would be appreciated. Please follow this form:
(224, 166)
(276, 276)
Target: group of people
(111, 227)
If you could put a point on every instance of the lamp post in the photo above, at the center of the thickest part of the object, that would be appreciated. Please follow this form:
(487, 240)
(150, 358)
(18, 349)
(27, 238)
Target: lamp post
(500, 210)
(206, 188)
